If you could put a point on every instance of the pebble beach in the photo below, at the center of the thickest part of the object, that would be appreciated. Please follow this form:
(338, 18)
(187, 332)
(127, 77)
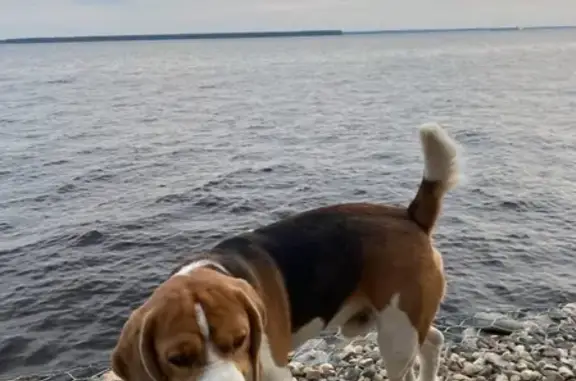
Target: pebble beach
(534, 348)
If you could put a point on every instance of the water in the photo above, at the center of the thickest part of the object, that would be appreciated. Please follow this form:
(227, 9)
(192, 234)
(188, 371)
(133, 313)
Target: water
(117, 159)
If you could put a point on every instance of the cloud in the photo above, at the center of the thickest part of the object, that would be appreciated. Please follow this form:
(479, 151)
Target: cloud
(80, 17)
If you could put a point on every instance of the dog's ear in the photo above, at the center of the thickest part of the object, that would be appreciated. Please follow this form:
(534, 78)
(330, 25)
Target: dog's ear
(126, 351)
(147, 349)
(134, 358)
(257, 316)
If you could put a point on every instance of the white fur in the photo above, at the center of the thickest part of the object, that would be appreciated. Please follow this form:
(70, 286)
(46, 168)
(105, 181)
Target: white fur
(440, 155)
(317, 325)
(430, 355)
(187, 269)
(397, 341)
(217, 369)
(271, 371)
(398, 344)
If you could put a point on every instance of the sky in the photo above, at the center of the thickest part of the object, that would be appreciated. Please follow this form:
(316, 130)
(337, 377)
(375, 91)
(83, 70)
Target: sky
(27, 18)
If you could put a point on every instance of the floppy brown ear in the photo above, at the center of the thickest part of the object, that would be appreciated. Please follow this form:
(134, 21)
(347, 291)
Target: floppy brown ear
(257, 316)
(147, 349)
(126, 351)
(134, 358)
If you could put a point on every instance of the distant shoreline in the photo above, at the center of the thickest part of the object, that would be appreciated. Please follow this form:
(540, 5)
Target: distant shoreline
(270, 34)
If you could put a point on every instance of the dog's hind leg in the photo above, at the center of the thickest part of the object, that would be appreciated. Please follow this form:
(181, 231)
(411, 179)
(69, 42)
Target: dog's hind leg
(397, 341)
(430, 355)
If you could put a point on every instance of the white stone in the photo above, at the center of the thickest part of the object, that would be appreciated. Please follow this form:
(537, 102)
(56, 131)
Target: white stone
(366, 362)
(519, 349)
(494, 359)
(529, 375)
(326, 368)
(565, 372)
(471, 369)
(521, 365)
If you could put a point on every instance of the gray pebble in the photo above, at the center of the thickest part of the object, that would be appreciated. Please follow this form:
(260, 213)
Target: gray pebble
(551, 352)
(565, 372)
(529, 375)
(552, 376)
(507, 356)
(366, 362)
(369, 373)
(347, 353)
(519, 349)
(471, 369)
(494, 359)
(352, 374)
(327, 369)
(521, 365)
(296, 367)
(547, 366)
(374, 355)
(312, 373)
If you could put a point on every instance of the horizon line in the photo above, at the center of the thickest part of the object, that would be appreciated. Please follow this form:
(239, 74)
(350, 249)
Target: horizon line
(262, 34)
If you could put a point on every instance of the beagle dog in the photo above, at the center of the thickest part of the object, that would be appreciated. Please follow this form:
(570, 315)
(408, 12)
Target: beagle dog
(236, 311)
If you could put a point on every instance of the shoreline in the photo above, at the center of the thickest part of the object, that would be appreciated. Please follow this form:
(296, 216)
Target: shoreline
(492, 346)
(264, 34)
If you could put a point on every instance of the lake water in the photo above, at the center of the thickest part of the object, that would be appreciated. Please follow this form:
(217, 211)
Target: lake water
(117, 159)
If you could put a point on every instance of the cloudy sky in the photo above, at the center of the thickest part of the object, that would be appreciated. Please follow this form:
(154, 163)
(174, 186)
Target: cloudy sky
(22, 18)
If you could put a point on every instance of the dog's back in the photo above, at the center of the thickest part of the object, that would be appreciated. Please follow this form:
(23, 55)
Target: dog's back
(331, 255)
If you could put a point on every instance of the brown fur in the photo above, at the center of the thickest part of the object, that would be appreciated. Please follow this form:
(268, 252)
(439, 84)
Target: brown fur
(167, 324)
(275, 299)
(399, 258)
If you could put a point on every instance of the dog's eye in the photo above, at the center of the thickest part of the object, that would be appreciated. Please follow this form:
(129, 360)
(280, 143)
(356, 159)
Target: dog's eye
(238, 342)
(182, 360)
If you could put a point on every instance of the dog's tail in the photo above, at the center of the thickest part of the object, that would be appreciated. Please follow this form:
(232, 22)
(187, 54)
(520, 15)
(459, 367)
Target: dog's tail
(441, 173)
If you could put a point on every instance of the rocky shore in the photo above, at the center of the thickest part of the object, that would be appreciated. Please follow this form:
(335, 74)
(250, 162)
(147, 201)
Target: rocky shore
(491, 347)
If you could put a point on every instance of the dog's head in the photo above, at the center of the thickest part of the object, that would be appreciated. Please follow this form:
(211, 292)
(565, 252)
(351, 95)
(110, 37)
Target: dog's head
(204, 326)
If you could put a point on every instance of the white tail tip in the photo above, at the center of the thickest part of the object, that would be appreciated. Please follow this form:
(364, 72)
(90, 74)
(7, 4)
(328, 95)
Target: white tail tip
(440, 155)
